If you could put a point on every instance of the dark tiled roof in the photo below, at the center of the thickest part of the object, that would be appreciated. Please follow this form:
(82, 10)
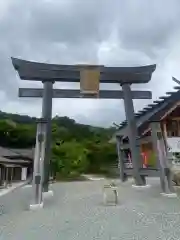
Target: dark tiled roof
(10, 152)
(29, 153)
(7, 160)
(3, 159)
(8, 165)
(153, 111)
(14, 157)
(6, 152)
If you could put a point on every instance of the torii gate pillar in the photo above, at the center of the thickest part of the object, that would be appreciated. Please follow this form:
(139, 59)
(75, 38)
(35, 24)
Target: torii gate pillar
(132, 134)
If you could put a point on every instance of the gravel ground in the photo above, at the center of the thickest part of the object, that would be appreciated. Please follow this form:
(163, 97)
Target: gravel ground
(77, 212)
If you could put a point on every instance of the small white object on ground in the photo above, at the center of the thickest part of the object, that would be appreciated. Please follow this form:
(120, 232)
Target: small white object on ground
(48, 194)
(36, 206)
(170, 195)
(27, 186)
(93, 177)
(141, 187)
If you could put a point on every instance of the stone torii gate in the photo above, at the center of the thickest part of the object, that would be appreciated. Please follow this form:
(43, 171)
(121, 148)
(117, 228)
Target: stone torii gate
(50, 73)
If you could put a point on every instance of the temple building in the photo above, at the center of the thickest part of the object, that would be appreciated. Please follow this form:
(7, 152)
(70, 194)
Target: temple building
(166, 111)
(15, 165)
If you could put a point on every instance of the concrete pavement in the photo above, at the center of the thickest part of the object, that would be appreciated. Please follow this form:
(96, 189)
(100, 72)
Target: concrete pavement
(76, 212)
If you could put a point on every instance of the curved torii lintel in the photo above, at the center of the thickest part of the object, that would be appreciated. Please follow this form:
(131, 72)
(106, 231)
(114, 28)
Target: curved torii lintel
(28, 70)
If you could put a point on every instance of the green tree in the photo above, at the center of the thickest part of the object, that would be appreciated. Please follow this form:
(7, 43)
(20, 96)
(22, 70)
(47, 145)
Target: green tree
(77, 148)
(69, 159)
(17, 135)
(101, 156)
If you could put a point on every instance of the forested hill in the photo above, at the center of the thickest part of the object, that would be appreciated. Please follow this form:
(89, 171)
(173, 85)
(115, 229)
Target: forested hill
(17, 118)
(76, 148)
(65, 121)
(63, 128)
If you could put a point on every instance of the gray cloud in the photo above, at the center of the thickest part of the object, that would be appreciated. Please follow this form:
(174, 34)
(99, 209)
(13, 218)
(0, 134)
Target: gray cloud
(120, 33)
(149, 24)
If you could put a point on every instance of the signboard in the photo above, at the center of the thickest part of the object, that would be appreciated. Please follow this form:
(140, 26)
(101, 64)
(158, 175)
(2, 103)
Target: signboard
(89, 81)
(173, 144)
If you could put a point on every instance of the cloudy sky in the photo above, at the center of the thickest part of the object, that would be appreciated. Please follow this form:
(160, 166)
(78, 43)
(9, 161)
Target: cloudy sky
(109, 32)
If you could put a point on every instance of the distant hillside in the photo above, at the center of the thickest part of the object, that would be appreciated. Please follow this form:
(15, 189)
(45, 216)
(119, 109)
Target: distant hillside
(76, 129)
(81, 131)
(17, 118)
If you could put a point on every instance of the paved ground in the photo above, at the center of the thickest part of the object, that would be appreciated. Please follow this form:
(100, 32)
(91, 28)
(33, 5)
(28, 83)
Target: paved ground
(76, 212)
(10, 188)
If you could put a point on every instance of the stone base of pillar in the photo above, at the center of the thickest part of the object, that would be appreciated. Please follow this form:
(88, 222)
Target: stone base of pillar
(48, 194)
(36, 206)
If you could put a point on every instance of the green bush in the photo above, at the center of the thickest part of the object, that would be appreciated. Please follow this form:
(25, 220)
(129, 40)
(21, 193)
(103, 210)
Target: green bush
(101, 156)
(152, 159)
(70, 159)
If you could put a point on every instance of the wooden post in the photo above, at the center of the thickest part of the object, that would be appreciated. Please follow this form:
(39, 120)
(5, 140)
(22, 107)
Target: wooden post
(7, 173)
(12, 171)
(178, 128)
(120, 158)
(165, 130)
(165, 135)
(1, 176)
(161, 158)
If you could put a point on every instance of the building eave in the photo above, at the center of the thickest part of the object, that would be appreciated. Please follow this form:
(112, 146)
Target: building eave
(152, 111)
